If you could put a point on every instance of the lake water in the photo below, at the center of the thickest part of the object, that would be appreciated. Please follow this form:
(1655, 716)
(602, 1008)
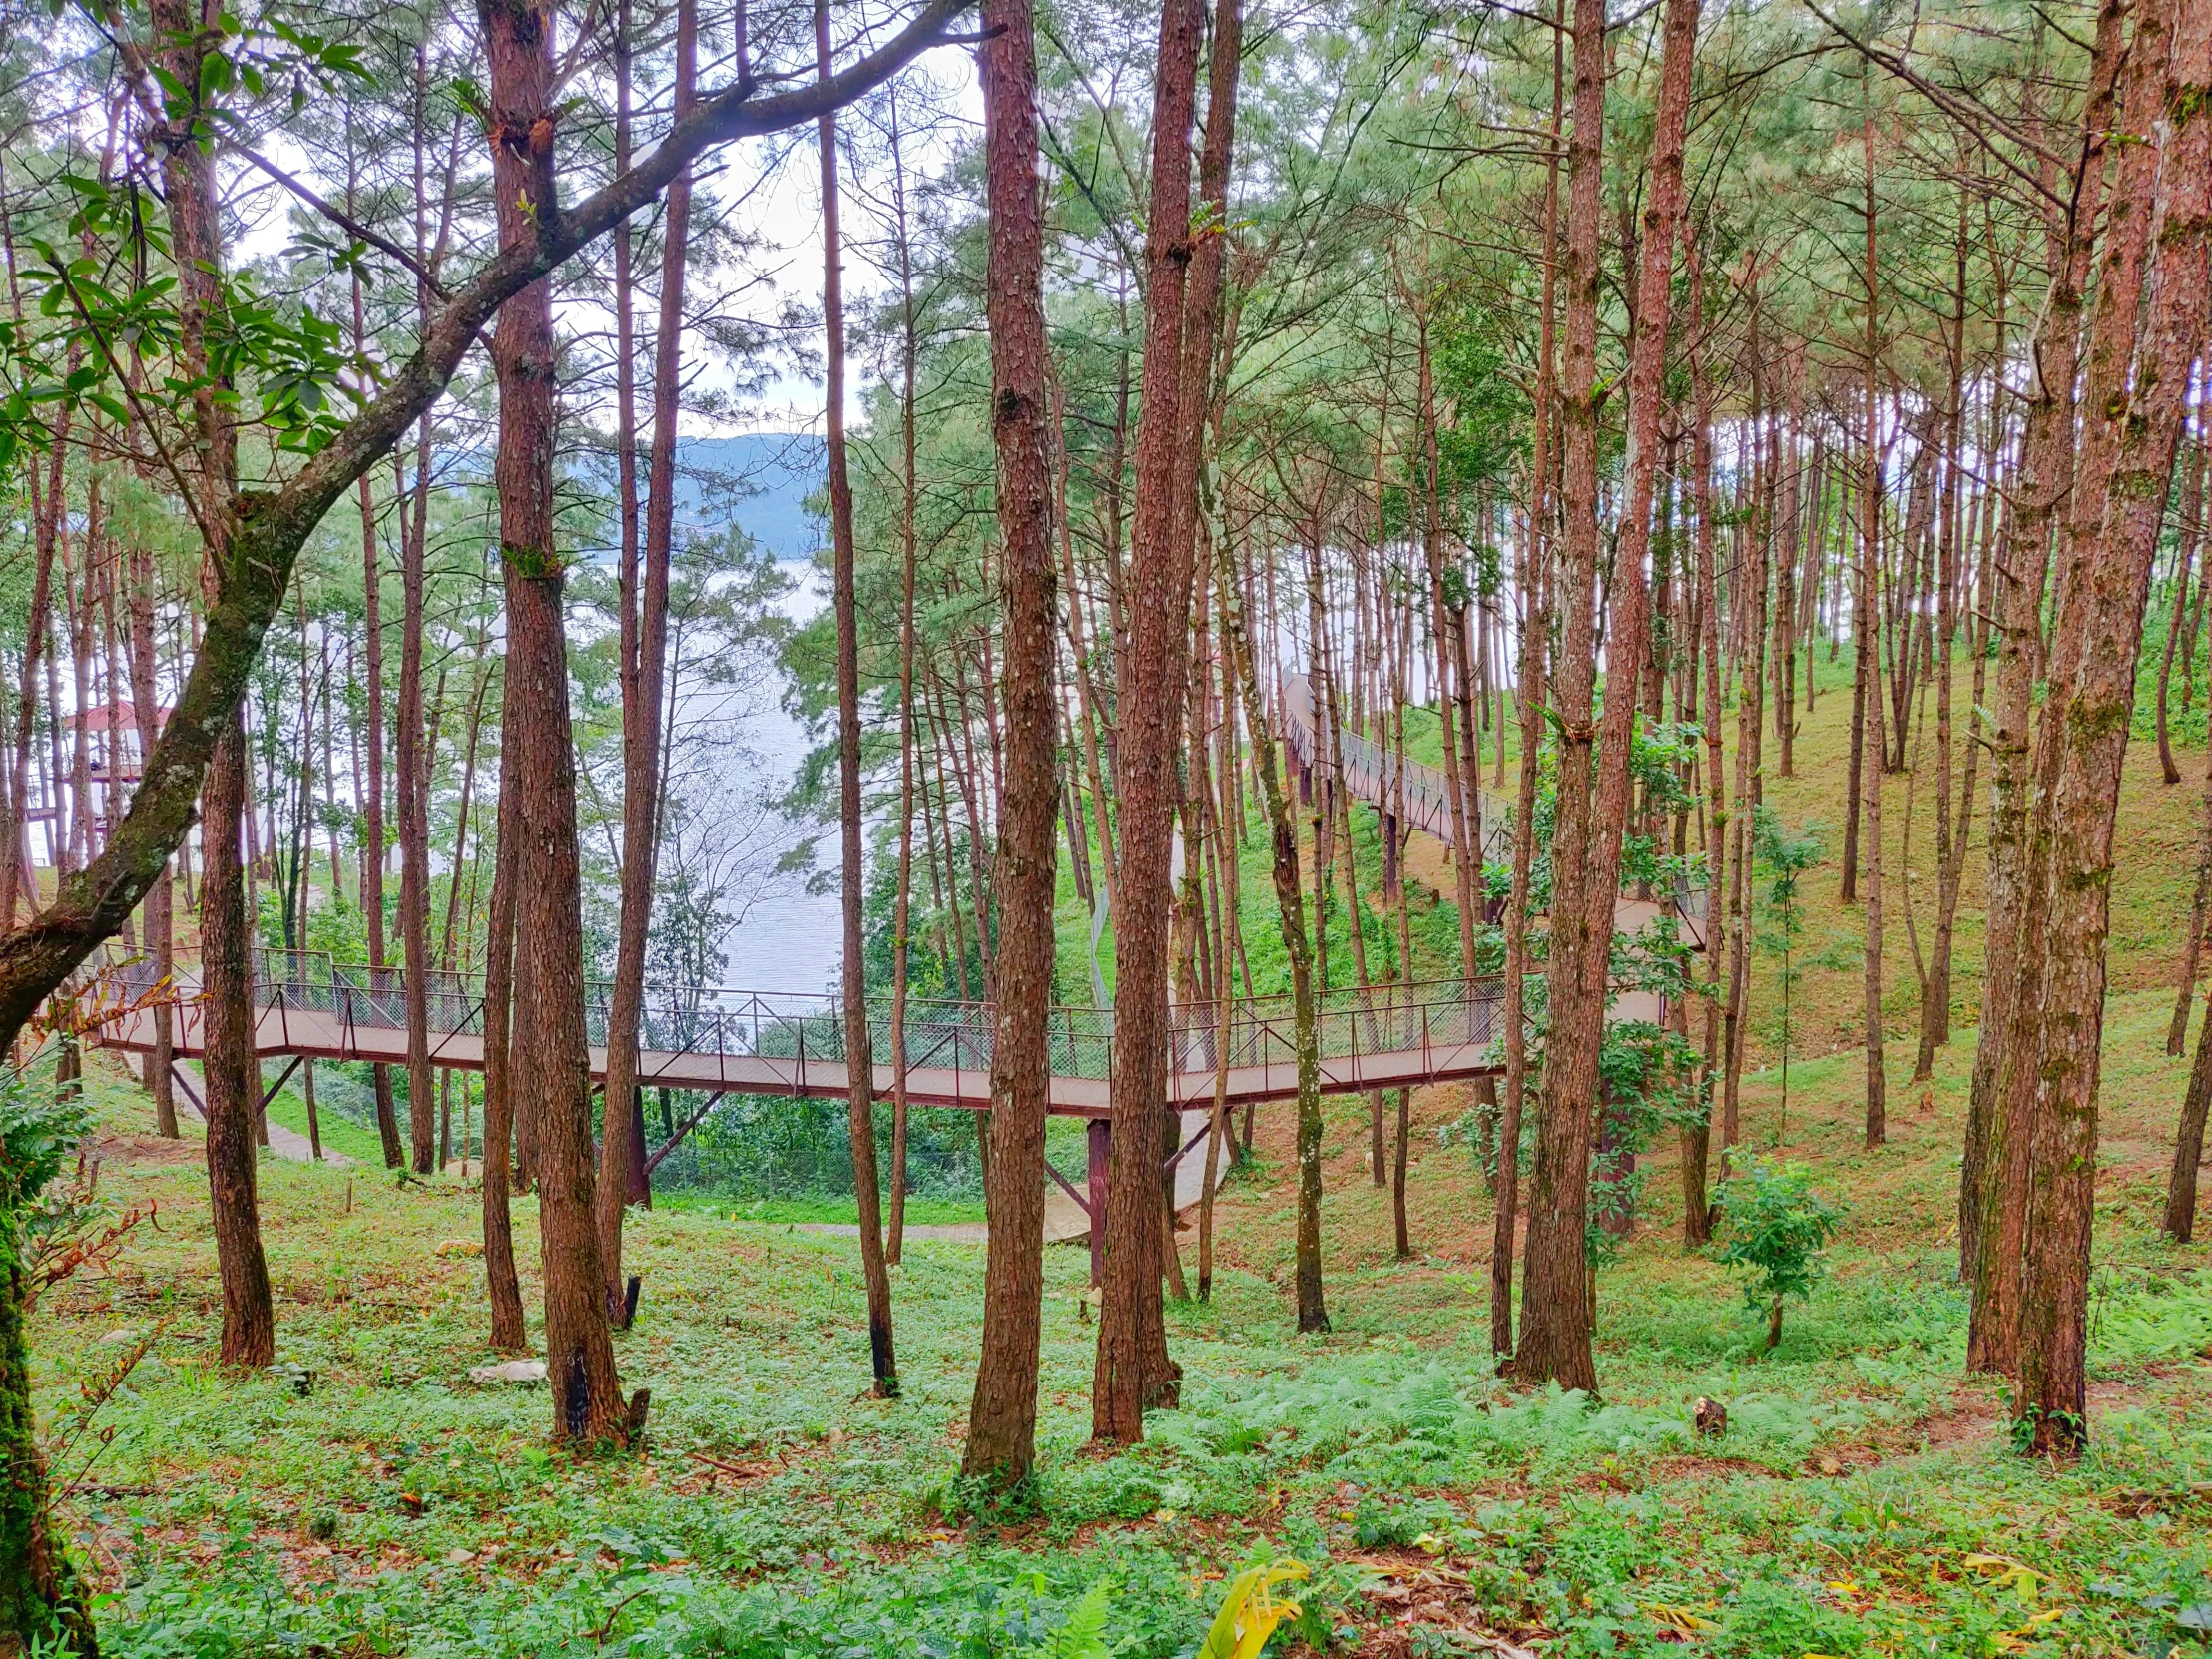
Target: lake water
(788, 939)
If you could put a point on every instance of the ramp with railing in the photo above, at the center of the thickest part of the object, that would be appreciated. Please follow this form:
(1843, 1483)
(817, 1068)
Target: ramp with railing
(761, 1043)
(1412, 790)
(1421, 795)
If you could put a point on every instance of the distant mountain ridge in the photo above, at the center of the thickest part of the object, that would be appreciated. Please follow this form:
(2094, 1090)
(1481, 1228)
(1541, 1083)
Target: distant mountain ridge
(757, 480)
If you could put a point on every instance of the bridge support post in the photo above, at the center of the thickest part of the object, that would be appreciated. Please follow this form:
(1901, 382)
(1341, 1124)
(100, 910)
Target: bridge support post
(1100, 1136)
(1392, 874)
(639, 1188)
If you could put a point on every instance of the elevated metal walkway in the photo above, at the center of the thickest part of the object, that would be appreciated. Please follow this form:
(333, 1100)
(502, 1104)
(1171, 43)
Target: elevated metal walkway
(1371, 774)
(749, 1042)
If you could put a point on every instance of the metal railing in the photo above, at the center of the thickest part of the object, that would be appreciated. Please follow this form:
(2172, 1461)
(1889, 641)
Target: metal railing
(1371, 773)
(1350, 1024)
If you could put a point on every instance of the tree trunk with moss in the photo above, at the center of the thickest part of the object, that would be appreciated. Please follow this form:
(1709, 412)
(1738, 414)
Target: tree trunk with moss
(40, 1593)
(548, 1045)
(1133, 1369)
(1002, 1421)
(2135, 391)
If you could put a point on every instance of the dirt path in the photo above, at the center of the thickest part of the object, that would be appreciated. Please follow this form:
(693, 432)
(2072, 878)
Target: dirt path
(1064, 1220)
(288, 1143)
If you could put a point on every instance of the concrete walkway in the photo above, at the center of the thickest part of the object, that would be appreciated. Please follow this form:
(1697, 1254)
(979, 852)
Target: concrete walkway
(284, 1143)
(1064, 1220)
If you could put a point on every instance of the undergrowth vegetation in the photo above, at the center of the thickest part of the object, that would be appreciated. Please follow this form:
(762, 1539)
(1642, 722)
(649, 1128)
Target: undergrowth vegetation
(366, 1497)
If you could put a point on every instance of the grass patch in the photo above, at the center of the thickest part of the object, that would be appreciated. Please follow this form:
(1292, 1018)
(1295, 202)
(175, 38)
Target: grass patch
(1863, 1502)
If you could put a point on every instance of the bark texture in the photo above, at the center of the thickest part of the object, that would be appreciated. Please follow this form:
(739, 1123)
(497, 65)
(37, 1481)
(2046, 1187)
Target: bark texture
(1528, 696)
(622, 1179)
(414, 761)
(1993, 1182)
(2135, 385)
(551, 1061)
(1133, 1368)
(1594, 779)
(1003, 1418)
(1313, 1309)
(230, 1064)
(866, 1183)
(509, 1334)
(42, 1598)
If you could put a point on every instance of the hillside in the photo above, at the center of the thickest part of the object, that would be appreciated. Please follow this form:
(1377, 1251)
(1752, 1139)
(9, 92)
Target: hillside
(365, 1495)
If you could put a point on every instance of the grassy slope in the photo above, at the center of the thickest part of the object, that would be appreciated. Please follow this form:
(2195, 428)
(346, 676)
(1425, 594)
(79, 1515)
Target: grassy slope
(1851, 1509)
(341, 1134)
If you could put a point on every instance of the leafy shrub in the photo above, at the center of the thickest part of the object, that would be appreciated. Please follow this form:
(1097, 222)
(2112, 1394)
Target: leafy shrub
(1777, 1230)
(40, 1127)
(1380, 1524)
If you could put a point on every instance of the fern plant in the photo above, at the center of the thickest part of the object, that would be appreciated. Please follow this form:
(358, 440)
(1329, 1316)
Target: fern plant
(1083, 1635)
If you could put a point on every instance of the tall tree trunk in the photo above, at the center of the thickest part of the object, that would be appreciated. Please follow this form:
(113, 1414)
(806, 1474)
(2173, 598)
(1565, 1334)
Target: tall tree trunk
(858, 1058)
(15, 873)
(1855, 793)
(1197, 400)
(413, 762)
(1002, 1419)
(1784, 635)
(1228, 935)
(1594, 786)
(2135, 387)
(2193, 506)
(230, 1064)
(1747, 589)
(622, 1178)
(1400, 1225)
(1936, 992)
(550, 1041)
(1555, 1322)
(2180, 1220)
(1133, 1368)
(909, 507)
(373, 807)
(1464, 855)
(1993, 1177)
(2192, 944)
(417, 746)
(1869, 505)
(2180, 607)
(160, 930)
(1868, 620)
(2192, 532)
(1528, 698)
(42, 1596)
(509, 1334)
(1313, 1311)
(1697, 1217)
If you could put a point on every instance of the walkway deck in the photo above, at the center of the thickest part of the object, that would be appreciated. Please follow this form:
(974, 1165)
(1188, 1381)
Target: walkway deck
(1371, 774)
(751, 1044)
(743, 1042)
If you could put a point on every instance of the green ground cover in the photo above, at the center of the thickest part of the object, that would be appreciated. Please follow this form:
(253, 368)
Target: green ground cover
(367, 1496)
